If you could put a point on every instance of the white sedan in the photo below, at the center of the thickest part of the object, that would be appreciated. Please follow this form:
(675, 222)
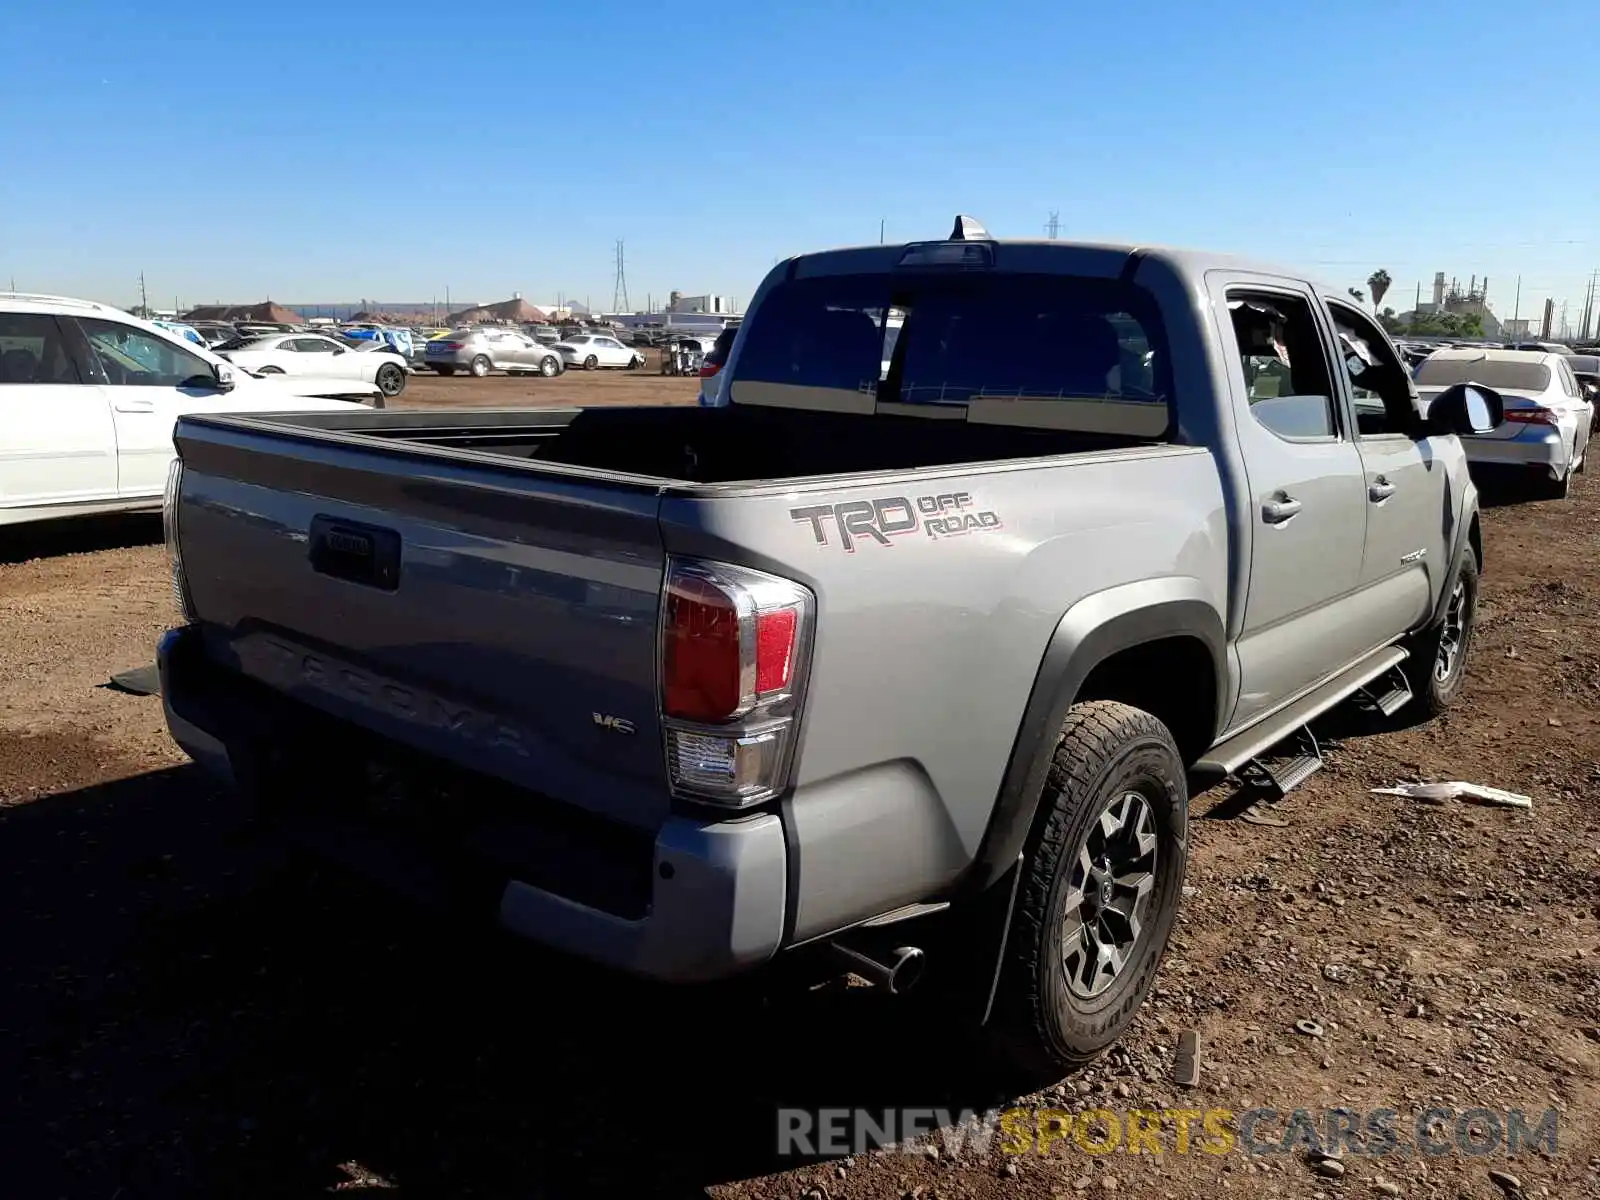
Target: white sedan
(593, 350)
(90, 395)
(1545, 435)
(313, 354)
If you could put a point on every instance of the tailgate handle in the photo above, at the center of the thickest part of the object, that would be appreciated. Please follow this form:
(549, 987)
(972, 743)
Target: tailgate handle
(364, 554)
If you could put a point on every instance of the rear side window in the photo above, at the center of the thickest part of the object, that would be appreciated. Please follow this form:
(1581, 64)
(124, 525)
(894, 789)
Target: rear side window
(1284, 364)
(1522, 375)
(33, 350)
(1064, 352)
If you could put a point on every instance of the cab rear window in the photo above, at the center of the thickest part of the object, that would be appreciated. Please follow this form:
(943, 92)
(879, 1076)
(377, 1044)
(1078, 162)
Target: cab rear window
(1063, 351)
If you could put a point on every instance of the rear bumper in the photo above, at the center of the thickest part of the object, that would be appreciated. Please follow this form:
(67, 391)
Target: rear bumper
(705, 901)
(1536, 446)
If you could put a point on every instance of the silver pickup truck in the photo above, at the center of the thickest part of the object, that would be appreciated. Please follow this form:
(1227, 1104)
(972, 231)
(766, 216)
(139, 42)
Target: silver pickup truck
(902, 658)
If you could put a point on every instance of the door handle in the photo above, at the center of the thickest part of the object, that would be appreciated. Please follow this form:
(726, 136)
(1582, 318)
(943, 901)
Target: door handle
(1380, 490)
(1279, 509)
(135, 406)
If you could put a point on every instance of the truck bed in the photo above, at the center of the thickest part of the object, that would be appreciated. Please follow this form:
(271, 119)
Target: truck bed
(713, 445)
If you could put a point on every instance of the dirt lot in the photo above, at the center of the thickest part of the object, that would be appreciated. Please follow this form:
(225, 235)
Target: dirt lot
(189, 1010)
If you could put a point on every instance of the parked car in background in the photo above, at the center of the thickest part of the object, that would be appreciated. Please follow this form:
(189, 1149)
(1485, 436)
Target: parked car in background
(1586, 370)
(711, 368)
(592, 351)
(1545, 435)
(545, 335)
(90, 396)
(480, 351)
(215, 332)
(187, 332)
(395, 338)
(318, 354)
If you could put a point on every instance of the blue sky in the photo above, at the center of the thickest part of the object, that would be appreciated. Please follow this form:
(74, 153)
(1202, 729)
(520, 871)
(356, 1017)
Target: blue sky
(235, 151)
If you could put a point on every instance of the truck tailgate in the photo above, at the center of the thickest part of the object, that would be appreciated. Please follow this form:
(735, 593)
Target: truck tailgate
(501, 618)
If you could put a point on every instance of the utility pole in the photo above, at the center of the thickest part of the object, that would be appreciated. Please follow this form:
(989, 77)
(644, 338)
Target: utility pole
(144, 300)
(1516, 307)
(1052, 227)
(619, 289)
(881, 222)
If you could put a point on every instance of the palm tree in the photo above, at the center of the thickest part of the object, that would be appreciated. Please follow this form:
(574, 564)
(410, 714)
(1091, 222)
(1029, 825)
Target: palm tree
(1378, 284)
(1357, 293)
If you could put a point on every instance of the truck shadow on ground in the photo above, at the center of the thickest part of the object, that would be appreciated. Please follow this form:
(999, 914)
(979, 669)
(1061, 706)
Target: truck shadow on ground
(190, 1009)
(80, 535)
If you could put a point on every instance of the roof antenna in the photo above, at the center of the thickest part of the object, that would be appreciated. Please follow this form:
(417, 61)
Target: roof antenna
(968, 230)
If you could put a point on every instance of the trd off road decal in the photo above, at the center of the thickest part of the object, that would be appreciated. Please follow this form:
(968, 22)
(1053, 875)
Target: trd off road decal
(944, 515)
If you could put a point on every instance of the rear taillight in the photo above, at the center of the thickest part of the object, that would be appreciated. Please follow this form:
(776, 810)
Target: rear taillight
(1531, 416)
(452, 346)
(169, 528)
(707, 370)
(734, 644)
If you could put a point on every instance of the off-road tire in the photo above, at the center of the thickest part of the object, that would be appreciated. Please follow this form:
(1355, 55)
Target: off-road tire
(1106, 750)
(1430, 693)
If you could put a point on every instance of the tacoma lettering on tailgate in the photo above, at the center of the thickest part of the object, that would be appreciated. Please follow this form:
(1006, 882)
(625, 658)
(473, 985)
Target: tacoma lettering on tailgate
(293, 667)
(942, 515)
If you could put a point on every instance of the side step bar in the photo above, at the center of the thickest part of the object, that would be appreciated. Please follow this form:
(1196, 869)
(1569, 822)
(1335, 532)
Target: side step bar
(1391, 694)
(1227, 757)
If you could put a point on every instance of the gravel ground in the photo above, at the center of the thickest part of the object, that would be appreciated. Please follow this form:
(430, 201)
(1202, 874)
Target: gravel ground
(190, 1010)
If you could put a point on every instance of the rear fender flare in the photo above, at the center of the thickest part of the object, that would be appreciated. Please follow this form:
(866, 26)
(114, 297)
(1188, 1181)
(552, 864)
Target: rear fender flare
(1089, 633)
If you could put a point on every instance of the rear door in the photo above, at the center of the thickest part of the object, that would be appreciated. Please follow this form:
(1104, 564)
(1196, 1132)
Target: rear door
(149, 380)
(1308, 503)
(1577, 404)
(57, 441)
(503, 351)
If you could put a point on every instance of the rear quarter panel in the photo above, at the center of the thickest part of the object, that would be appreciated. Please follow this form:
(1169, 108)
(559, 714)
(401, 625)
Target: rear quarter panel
(930, 635)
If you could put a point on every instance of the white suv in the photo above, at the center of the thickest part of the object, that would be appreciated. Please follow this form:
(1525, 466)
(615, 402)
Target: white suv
(89, 395)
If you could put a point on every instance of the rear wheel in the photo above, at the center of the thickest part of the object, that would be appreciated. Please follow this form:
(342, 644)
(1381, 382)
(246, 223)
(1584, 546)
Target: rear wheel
(549, 367)
(1545, 488)
(391, 379)
(480, 366)
(1102, 876)
(1437, 665)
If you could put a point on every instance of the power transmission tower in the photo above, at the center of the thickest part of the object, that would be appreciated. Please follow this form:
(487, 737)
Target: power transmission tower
(1052, 227)
(619, 291)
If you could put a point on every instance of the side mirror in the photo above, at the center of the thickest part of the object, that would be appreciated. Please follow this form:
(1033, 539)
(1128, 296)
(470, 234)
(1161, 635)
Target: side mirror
(223, 374)
(1466, 409)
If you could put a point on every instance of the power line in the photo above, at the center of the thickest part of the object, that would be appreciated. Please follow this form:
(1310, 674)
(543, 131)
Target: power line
(619, 290)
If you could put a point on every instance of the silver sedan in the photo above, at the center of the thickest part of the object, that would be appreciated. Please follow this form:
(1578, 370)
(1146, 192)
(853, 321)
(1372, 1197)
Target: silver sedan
(479, 351)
